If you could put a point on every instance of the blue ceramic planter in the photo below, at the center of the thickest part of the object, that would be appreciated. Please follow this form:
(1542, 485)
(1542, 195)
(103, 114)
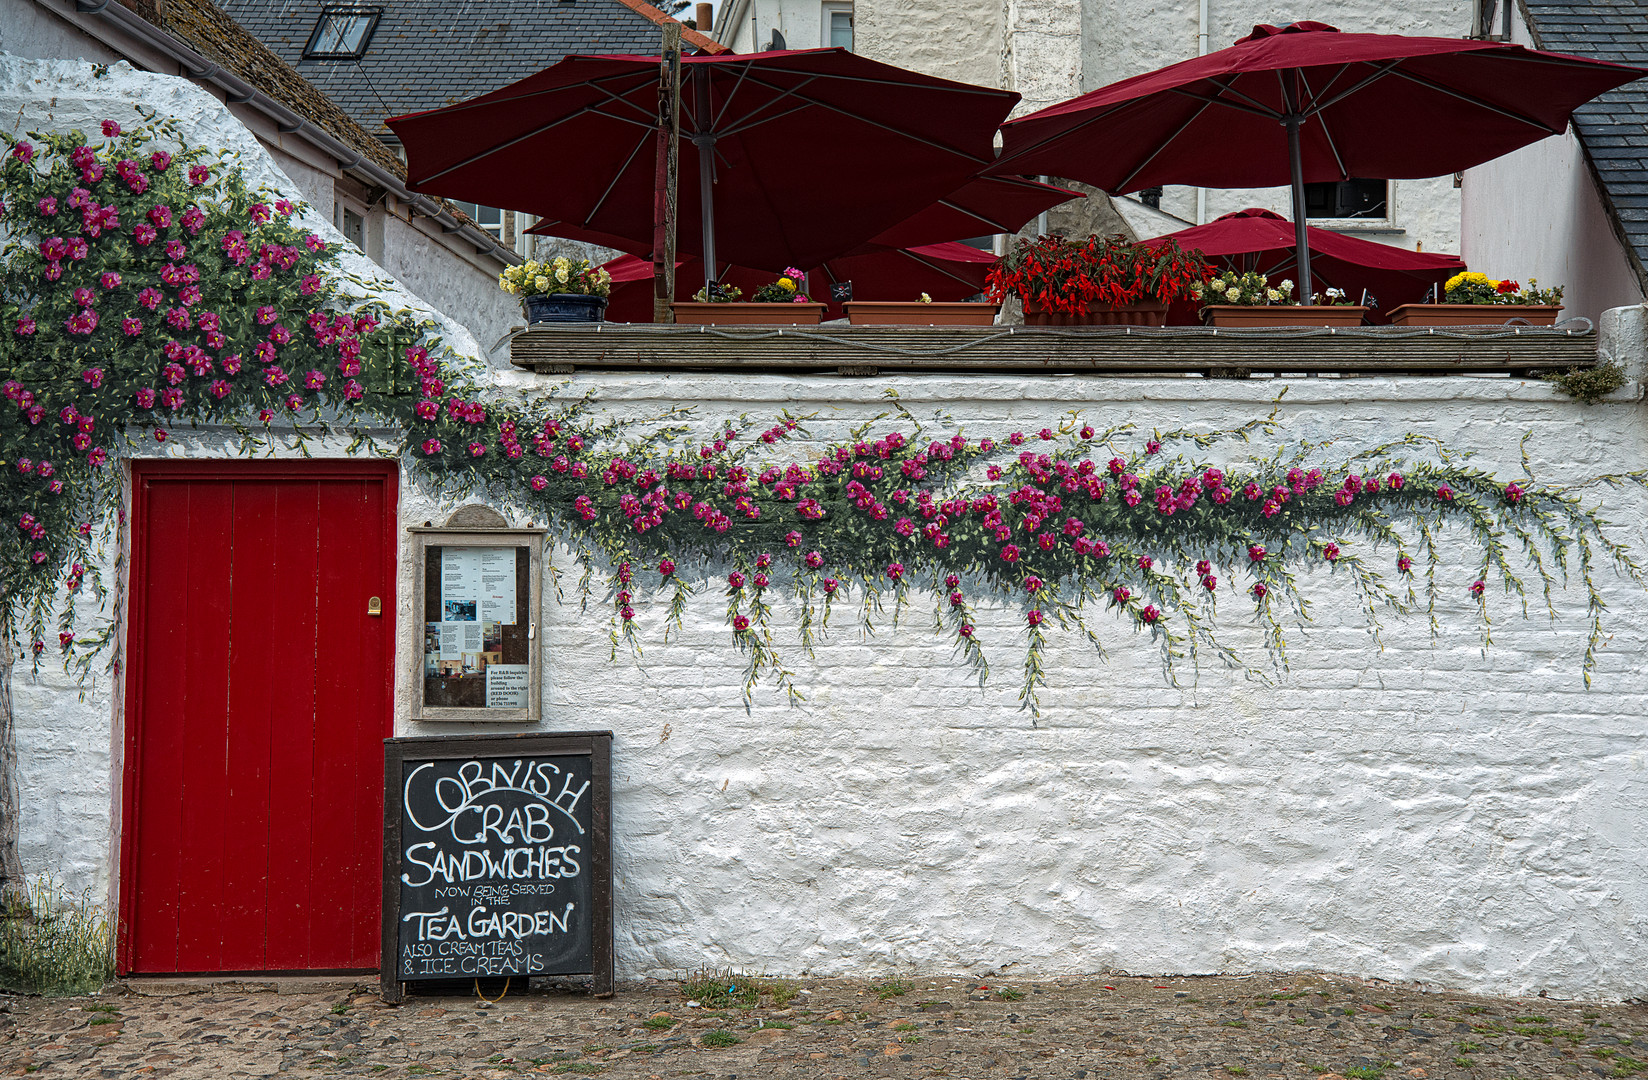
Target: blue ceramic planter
(565, 308)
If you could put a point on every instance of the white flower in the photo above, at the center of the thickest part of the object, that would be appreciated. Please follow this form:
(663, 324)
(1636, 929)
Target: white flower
(1336, 294)
(541, 283)
(1273, 295)
(561, 274)
(1233, 294)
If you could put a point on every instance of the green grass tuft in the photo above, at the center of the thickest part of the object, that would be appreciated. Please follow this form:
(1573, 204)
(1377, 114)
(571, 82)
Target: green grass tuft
(52, 942)
(721, 1038)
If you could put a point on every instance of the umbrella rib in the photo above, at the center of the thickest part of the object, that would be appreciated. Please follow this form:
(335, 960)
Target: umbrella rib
(998, 226)
(535, 132)
(1322, 122)
(746, 121)
(1474, 100)
(644, 80)
(1254, 105)
(1054, 136)
(616, 176)
(872, 122)
(715, 121)
(1380, 72)
(908, 254)
(1163, 145)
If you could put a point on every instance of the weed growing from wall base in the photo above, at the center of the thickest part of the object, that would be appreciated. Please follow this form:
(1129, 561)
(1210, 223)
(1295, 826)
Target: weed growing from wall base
(52, 942)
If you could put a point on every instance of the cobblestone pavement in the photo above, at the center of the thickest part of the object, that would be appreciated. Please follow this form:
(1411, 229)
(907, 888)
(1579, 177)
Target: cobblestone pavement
(1267, 1026)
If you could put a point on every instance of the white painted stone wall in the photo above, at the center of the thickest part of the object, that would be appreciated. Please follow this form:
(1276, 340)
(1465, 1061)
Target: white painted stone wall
(1422, 813)
(1425, 812)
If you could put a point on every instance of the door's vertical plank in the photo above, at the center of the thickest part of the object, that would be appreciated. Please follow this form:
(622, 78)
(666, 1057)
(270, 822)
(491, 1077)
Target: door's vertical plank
(376, 683)
(163, 656)
(339, 779)
(252, 679)
(206, 845)
(292, 904)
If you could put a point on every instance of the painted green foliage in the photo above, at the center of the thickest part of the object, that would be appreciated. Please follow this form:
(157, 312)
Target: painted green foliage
(147, 288)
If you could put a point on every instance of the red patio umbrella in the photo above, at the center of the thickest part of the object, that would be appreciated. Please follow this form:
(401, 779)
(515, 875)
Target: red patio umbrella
(1262, 240)
(948, 271)
(806, 154)
(1307, 103)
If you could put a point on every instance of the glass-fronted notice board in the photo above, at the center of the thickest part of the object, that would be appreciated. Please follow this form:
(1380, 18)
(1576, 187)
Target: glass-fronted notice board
(478, 601)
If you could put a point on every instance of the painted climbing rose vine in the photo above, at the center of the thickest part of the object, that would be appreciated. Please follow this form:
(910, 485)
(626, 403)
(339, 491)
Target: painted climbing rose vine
(147, 289)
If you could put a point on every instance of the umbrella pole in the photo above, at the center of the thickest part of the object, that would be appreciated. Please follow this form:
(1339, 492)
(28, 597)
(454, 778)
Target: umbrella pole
(705, 142)
(1301, 240)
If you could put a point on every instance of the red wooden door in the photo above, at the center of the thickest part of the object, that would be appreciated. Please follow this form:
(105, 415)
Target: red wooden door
(258, 693)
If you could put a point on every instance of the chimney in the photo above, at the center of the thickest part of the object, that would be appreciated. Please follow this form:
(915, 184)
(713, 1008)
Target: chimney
(704, 18)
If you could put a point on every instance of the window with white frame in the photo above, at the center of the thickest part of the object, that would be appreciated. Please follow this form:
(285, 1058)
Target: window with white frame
(342, 33)
(838, 26)
(489, 218)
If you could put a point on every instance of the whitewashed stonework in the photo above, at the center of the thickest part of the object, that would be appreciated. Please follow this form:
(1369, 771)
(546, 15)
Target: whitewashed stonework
(1422, 813)
(1425, 812)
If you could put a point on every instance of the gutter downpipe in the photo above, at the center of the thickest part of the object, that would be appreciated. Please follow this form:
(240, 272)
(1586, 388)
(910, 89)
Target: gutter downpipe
(287, 122)
(1201, 50)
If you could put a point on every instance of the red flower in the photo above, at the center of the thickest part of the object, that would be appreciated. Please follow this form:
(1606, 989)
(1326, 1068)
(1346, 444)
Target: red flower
(740, 623)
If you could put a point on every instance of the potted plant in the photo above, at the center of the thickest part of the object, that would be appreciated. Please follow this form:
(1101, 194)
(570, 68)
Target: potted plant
(923, 312)
(784, 301)
(1472, 299)
(1249, 299)
(561, 290)
(1096, 281)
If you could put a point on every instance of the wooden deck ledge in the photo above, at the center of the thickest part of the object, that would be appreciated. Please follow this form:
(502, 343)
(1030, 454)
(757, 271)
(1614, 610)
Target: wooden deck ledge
(874, 350)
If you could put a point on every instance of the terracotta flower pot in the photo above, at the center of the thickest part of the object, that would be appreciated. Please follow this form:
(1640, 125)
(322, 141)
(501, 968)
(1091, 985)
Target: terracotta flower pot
(1473, 314)
(1283, 314)
(915, 313)
(693, 313)
(1143, 313)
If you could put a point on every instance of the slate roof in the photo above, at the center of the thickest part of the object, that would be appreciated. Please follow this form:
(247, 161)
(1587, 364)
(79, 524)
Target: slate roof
(205, 28)
(428, 53)
(1614, 127)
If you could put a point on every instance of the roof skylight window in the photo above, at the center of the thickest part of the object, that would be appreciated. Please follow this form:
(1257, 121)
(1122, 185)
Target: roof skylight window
(342, 33)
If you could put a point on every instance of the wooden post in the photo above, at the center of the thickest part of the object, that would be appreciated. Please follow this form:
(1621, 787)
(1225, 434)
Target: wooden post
(666, 175)
(11, 869)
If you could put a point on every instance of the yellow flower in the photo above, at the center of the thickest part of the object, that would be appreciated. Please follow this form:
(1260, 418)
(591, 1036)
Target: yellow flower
(925, 299)
(787, 284)
(1466, 277)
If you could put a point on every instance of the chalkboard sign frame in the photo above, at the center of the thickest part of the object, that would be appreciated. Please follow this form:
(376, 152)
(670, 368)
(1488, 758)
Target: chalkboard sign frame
(596, 744)
(427, 540)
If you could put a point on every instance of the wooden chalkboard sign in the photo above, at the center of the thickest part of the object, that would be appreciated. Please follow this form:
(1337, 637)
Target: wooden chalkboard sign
(497, 858)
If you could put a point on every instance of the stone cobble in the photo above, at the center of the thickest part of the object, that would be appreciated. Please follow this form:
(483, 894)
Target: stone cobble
(1270, 1026)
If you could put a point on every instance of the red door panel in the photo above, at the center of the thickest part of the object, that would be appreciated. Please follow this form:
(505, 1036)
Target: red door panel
(258, 695)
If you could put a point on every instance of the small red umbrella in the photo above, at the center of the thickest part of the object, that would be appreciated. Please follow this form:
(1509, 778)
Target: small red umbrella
(787, 158)
(948, 271)
(1307, 103)
(1262, 240)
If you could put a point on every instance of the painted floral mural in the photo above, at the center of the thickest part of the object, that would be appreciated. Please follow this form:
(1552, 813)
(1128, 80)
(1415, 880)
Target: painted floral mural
(147, 289)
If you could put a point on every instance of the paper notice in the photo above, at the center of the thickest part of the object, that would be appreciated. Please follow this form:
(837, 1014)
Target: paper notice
(460, 584)
(506, 686)
(496, 574)
(458, 638)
